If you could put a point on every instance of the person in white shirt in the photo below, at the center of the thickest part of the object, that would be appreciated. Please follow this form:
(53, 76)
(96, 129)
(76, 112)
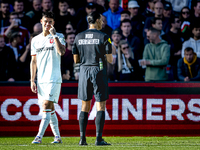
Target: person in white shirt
(46, 51)
(194, 42)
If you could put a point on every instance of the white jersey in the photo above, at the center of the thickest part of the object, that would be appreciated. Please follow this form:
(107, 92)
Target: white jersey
(48, 59)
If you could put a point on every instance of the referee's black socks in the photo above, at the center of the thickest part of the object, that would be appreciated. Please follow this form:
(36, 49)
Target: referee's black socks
(100, 119)
(83, 120)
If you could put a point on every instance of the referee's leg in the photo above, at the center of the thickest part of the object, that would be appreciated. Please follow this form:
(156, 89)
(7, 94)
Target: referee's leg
(83, 120)
(100, 120)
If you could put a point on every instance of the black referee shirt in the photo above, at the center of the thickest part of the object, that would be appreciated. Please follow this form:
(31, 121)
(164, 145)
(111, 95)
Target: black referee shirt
(91, 45)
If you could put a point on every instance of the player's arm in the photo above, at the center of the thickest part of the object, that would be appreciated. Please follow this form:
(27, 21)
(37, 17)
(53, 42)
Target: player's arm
(33, 68)
(59, 47)
(76, 58)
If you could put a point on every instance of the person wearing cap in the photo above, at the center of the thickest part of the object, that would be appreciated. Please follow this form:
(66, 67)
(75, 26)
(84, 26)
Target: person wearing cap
(137, 20)
(116, 37)
(167, 12)
(113, 14)
(83, 24)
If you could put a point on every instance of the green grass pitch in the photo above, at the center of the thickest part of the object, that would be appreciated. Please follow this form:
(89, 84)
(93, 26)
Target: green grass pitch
(118, 143)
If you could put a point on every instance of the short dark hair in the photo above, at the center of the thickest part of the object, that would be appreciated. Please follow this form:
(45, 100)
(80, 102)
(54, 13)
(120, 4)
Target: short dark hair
(173, 17)
(92, 17)
(154, 30)
(19, 1)
(63, 1)
(196, 2)
(154, 19)
(48, 14)
(70, 33)
(126, 12)
(124, 21)
(187, 49)
(14, 13)
(195, 25)
(4, 2)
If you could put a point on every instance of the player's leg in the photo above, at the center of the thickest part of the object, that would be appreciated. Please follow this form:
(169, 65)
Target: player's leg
(99, 121)
(47, 108)
(55, 90)
(55, 127)
(83, 120)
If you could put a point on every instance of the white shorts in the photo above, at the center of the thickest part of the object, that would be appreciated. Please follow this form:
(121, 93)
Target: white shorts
(49, 91)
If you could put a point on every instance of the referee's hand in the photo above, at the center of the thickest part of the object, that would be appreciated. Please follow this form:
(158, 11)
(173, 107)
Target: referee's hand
(33, 87)
(52, 30)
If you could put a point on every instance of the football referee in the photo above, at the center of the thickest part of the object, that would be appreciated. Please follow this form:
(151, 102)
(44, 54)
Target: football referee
(92, 49)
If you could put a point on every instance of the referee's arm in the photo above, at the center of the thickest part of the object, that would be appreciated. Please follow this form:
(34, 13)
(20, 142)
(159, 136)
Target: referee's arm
(76, 58)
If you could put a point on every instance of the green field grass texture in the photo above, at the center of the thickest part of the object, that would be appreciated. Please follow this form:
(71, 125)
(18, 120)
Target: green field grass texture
(118, 143)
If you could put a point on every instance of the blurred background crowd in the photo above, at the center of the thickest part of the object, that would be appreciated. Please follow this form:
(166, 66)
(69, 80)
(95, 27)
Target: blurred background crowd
(153, 40)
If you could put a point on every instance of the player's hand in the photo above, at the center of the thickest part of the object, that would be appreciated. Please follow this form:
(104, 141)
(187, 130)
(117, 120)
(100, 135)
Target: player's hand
(52, 30)
(33, 87)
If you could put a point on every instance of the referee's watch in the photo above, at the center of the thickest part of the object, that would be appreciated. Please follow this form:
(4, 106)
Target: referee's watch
(54, 36)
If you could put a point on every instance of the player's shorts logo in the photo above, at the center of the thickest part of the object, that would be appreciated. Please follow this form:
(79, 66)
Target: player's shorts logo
(51, 41)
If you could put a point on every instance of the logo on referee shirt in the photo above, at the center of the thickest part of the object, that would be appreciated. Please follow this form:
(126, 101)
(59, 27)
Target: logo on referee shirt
(51, 41)
(50, 95)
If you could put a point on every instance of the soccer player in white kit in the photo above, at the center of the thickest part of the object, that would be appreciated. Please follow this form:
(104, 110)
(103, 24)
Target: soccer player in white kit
(46, 51)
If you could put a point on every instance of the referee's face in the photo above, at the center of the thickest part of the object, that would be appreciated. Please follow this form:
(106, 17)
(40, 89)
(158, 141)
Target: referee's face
(46, 23)
(99, 23)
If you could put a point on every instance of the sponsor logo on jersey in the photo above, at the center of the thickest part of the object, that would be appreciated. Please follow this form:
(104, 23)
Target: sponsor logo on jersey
(51, 41)
(45, 49)
(88, 36)
(88, 41)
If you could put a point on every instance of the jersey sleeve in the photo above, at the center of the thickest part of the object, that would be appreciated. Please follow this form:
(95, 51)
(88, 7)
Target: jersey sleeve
(62, 39)
(74, 47)
(33, 49)
(108, 44)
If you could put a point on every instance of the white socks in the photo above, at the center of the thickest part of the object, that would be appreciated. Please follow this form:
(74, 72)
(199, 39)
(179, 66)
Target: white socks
(54, 124)
(44, 122)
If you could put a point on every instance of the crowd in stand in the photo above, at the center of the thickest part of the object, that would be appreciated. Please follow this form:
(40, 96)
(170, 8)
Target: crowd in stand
(153, 40)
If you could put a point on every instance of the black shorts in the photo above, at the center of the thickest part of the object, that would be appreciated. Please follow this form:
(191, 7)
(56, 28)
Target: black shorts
(92, 81)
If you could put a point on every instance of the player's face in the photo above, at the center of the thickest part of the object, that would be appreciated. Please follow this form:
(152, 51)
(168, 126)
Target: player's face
(46, 23)
(99, 23)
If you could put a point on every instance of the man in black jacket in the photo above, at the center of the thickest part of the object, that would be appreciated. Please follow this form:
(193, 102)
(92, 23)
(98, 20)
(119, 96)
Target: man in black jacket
(188, 67)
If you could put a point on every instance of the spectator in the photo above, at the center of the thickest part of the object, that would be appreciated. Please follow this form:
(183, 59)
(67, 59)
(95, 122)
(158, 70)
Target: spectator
(4, 14)
(24, 20)
(7, 62)
(124, 70)
(116, 37)
(63, 17)
(157, 24)
(71, 10)
(36, 14)
(105, 28)
(149, 11)
(158, 14)
(125, 14)
(137, 20)
(133, 40)
(155, 57)
(25, 60)
(103, 4)
(83, 24)
(188, 68)
(16, 27)
(194, 42)
(67, 61)
(167, 12)
(196, 9)
(186, 20)
(113, 14)
(18, 50)
(37, 28)
(70, 28)
(174, 39)
(47, 5)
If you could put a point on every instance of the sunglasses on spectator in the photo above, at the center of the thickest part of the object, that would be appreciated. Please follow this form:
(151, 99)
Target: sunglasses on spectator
(187, 12)
(178, 21)
(125, 47)
(69, 28)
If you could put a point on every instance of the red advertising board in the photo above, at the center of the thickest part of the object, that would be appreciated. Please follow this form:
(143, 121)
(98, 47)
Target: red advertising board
(133, 109)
